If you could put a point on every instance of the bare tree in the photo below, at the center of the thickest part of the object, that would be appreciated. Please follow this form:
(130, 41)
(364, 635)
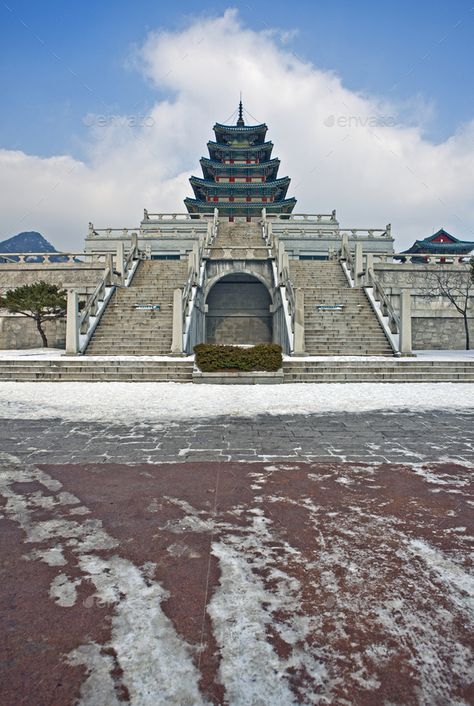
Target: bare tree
(457, 286)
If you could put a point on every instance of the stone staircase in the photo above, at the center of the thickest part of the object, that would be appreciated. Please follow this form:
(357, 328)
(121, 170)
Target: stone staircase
(382, 370)
(108, 369)
(338, 319)
(89, 369)
(126, 330)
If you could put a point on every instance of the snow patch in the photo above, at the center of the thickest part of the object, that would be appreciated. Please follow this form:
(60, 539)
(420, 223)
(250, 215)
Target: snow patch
(165, 402)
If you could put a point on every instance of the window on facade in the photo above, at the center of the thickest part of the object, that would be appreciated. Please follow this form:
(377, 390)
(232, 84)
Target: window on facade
(216, 198)
(264, 198)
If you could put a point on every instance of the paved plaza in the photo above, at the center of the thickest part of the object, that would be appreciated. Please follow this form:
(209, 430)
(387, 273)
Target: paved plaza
(281, 559)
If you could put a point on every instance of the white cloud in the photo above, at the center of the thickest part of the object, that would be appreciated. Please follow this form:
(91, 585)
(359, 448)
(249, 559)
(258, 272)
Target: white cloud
(343, 150)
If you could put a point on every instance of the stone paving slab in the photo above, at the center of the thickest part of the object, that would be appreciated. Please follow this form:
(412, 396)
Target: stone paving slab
(377, 436)
(233, 584)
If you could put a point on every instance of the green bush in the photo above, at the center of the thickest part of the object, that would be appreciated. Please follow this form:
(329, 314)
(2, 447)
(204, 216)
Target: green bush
(211, 357)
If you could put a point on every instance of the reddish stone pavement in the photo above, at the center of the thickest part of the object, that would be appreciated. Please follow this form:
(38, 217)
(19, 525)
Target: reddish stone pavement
(236, 583)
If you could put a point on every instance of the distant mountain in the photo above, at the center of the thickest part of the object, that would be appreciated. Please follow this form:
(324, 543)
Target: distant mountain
(28, 241)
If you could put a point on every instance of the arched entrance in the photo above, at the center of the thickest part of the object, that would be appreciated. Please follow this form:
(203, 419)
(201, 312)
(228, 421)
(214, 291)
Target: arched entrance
(238, 311)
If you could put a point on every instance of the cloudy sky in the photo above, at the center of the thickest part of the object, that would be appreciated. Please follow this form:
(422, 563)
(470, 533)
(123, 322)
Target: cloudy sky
(110, 105)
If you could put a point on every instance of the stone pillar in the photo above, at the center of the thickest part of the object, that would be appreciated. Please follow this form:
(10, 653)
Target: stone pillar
(196, 262)
(177, 339)
(72, 323)
(369, 266)
(109, 268)
(119, 264)
(405, 322)
(134, 241)
(281, 250)
(344, 244)
(358, 265)
(298, 343)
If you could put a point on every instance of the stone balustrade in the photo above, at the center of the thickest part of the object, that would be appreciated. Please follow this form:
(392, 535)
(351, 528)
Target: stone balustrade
(175, 216)
(53, 258)
(315, 217)
(421, 258)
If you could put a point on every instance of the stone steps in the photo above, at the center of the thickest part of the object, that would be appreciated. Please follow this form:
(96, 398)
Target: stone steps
(352, 330)
(90, 370)
(377, 371)
(126, 330)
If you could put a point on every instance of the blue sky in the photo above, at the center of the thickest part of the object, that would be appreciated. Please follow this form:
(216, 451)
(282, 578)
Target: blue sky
(370, 106)
(62, 60)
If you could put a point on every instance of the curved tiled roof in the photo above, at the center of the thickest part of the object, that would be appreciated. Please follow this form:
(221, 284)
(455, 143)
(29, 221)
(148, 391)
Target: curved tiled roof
(222, 166)
(263, 146)
(227, 186)
(240, 128)
(235, 205)
(424, 246)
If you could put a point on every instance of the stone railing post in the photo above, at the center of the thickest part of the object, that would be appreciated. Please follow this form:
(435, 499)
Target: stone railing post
(195, 262)
(369, 267)
(281, 250)
(299, 323)
(120, 257)
(134, 241)
(344, 245)
(405, 323)
(358, 265)
(177, 339)
(270, 233)
(109, 269)
(72, 323)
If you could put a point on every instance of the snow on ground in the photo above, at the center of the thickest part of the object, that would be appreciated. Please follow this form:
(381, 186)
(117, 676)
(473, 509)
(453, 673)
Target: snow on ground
(53, 353)
(123, 402)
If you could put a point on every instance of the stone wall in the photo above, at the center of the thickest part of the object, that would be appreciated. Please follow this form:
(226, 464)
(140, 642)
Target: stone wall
(20, 332)
(82, 277)
(436, 325)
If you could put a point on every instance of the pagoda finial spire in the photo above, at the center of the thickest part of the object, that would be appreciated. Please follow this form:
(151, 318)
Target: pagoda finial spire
(240, 121)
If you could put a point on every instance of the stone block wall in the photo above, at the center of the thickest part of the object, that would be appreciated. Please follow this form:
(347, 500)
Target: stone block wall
(78, 276)
(20, 332)
(436, 325)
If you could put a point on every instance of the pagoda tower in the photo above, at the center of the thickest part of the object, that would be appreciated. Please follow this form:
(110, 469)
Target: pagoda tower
(240, 176)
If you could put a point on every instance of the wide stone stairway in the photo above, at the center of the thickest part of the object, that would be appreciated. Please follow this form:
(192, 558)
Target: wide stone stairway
(127, 329)
(338, 319)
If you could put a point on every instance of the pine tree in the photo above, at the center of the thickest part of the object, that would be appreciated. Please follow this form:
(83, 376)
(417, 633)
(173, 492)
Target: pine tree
(39, 301)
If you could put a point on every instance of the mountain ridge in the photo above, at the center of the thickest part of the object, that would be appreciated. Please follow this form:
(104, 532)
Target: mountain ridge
(26, 241)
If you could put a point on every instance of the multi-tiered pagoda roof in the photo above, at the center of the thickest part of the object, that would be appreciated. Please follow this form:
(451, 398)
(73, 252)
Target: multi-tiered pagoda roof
(240, 176)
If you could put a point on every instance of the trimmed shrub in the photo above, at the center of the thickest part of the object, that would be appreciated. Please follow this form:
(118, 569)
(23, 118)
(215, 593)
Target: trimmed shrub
(211, 357)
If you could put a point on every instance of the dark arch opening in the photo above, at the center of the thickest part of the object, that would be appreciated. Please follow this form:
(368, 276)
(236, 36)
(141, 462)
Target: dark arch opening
(239, 311)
